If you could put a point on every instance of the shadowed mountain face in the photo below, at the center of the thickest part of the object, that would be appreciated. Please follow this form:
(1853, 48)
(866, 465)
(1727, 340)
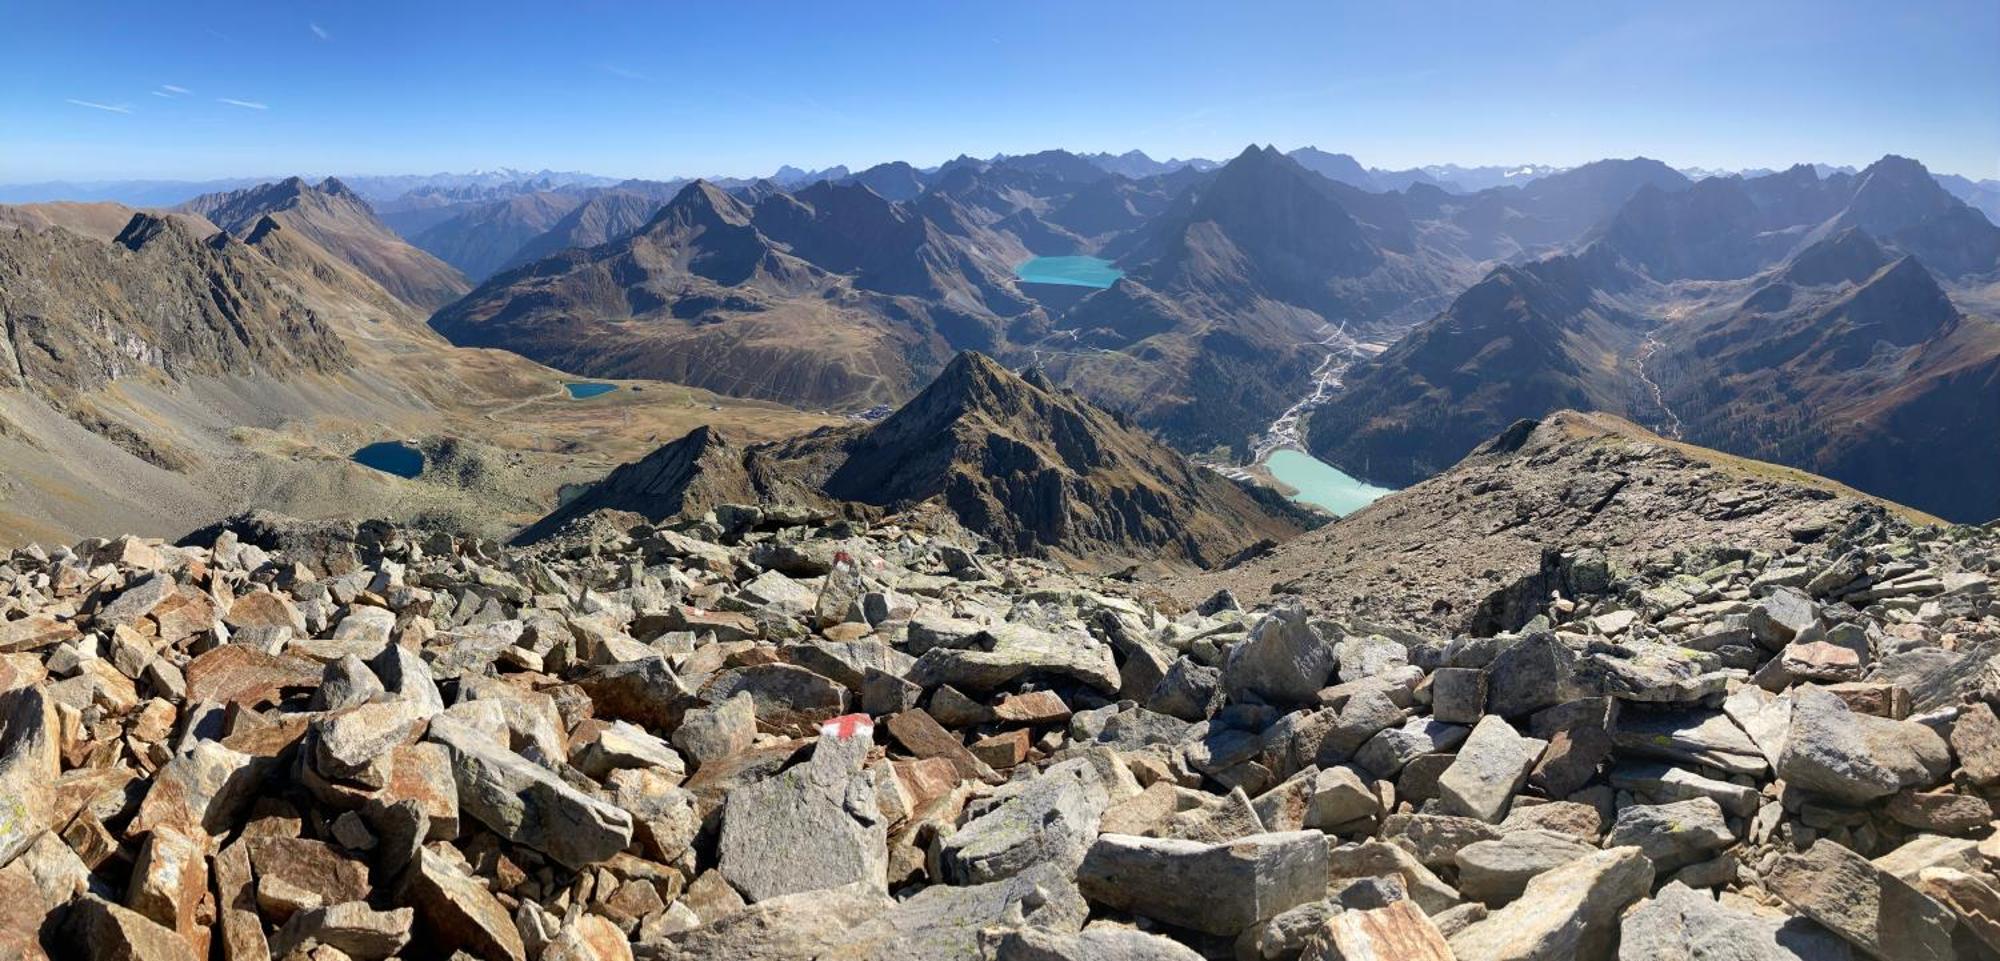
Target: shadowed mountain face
(1853, 363)
(1811, 340)
(1728, 227)
(1026, 465)
(479, 241)
(605, 216)
(895, 182)
(341, 223)
(1525, 341)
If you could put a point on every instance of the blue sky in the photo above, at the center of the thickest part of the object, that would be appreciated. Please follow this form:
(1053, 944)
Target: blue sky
(94, 90)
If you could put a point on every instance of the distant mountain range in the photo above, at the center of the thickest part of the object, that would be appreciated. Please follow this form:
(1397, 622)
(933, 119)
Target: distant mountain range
(1791, 317)
(386, 192)
(1815, 316)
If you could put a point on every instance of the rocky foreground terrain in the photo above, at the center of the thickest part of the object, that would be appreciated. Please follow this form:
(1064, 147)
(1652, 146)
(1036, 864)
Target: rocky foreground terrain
(773, 733)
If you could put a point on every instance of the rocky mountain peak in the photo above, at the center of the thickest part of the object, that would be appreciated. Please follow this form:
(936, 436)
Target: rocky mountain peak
(333, 187)
(700, 204)
(146, 228)
(1012, 459)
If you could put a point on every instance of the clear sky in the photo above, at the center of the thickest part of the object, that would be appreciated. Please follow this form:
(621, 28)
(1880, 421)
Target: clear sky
(97, 90)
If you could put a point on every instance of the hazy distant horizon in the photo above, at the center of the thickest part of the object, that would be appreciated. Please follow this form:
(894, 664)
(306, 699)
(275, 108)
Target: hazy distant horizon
(209, 89)
(529, 172)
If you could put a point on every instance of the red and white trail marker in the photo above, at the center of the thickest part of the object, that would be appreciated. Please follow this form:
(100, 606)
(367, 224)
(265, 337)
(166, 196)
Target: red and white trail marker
(849, 725)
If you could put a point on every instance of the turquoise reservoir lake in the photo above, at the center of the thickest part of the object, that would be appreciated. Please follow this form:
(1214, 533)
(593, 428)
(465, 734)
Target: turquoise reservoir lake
(581, 391)
(1320, 483)
(391, 457)
(1069, 271)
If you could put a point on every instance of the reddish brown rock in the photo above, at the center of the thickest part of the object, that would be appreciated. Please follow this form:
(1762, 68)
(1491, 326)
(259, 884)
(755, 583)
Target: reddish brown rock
(35, 631)
(169, 879)
(234, 674)
(1004, 750)
(1036, 707)
(112, 931)
(921, 735)
(265, 609)
(238, 928)
(456, 912)
(294, 874)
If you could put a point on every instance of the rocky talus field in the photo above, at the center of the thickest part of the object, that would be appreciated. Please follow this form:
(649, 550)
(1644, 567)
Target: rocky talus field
(779, 733)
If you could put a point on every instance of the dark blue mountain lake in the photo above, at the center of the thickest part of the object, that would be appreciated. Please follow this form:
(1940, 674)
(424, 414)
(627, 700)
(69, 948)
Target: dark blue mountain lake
(391, 457)
(1320, 483)
(581, 391)
(1069, 271)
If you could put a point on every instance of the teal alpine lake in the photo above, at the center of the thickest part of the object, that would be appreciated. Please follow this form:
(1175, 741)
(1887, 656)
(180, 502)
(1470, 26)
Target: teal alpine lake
(1320, 483)
(581, 391)
(391, 457)
(1069, 271)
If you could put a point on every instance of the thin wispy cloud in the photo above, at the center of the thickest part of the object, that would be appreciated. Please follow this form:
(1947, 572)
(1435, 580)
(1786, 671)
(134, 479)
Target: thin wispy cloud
(245, 104)
(94, 105)
(170, 91)
(624, 74)
(319, 31)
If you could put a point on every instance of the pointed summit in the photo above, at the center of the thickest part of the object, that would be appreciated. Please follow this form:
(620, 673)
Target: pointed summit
(339, 222)
(1031, 468)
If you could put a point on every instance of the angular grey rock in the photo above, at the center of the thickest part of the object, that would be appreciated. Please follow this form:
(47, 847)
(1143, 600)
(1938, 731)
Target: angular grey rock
(1873, 910)
(1050, 819)
(1702, 737)
(1189, 691)
(1532, 674)
(346, 682)
(709, 733)
(1492, 765)
(1282, 661)
(1458, 695)
(1435, 839)
(404, 674)
(814, 826)
(1665, 783)
(352, 928)
(620, 745)
(1385, 754)
(1010, 651)
(1682, 924)
(1373, 859)
(1856, 758)
(1568, 913)
(1673, 835)
(1097, 944)
(1779, 618)
(1497, 871)
(1365, 715)
(522, 802)
(1216, 888)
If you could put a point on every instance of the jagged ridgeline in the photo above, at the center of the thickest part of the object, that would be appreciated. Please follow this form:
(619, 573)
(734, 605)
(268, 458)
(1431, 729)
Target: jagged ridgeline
(1590, 694)
(1013, 459)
